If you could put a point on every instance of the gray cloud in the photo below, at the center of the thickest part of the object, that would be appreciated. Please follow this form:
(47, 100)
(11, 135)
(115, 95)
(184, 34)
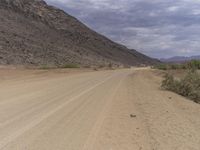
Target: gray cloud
(157, 28)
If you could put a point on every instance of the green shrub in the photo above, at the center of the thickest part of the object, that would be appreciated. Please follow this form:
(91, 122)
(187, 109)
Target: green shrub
(161, 67)
(192, 65)
(189, 86)
(168, 66)
(45, 67)
(176, 66)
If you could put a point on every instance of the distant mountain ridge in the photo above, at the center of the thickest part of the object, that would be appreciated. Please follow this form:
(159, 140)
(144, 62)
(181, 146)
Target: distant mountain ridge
(33, 33)
(180, 59)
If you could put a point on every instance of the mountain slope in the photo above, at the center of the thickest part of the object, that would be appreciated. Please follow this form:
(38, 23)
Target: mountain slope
(31, 32)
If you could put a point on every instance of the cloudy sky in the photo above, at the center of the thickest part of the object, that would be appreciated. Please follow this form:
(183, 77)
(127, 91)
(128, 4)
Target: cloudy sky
(158, 28)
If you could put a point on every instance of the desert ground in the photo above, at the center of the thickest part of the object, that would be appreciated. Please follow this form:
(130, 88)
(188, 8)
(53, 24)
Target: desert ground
(94, 110)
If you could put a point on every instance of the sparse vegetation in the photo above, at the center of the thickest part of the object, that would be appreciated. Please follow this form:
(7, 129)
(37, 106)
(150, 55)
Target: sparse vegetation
(101, 66)
(110, 65)
(70, 66)
(46, 67)
(192, 65)
(95, 69)
(188, 86)
(161, 66)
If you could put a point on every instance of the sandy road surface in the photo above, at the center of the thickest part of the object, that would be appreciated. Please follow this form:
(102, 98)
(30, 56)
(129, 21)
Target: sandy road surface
(104, 110)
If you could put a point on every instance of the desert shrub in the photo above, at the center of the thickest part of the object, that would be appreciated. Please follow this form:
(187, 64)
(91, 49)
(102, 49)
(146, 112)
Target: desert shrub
(110, 65)
(169, 66)
(102, 66)
(95, 69)
(193, 65)
(46, 67)
(70, 66)
(169, 83)
(189, 86)
(176, 66)
(161, 66)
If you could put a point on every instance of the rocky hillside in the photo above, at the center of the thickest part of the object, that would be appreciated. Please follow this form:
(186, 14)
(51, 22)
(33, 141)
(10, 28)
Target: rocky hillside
(33, 33)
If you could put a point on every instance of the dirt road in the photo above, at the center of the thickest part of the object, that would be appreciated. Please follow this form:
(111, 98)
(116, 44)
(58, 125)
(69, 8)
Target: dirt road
(104, 110)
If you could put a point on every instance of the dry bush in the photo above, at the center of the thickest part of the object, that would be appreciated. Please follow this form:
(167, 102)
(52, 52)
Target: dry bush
(189, 86)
